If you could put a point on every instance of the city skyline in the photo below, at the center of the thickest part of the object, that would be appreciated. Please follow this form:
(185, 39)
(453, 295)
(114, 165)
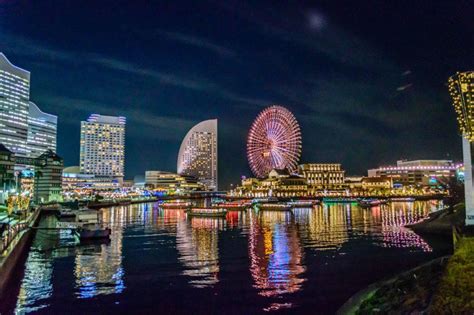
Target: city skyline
(354, 96)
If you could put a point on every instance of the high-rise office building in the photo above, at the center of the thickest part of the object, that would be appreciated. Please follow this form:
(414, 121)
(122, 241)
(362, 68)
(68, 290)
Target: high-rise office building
(24, 128)
(461, 88)
(103, 146)
(14, 104)
(198, 154)
(42, 129)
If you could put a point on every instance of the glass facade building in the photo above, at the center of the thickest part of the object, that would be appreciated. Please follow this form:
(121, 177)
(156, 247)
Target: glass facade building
(102, 150)
(24, 128)
(198, 154)
(14, 105)
(42, 130)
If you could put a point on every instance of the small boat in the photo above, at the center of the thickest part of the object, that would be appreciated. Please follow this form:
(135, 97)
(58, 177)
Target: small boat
(264, 200)
(402, 199)
(84, 214)
(176, 205)
(302, 203)
(339, 200)
(211, 212)
(91, 232)
(367, 203)
(274, 207)
(86, 224)
(233, 206)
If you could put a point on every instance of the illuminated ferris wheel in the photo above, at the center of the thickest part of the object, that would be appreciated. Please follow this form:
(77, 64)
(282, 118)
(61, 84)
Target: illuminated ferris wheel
(274, 141)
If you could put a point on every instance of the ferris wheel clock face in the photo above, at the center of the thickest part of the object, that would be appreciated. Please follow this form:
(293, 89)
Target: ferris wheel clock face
(274, 141)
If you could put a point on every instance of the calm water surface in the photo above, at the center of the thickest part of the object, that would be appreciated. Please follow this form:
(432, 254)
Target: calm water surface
(159, 261)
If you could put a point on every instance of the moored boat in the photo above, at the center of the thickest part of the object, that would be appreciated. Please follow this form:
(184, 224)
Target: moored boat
(302, 203)
(274, 207)
(212, 212)
(234, 206)
(176, 205)
(90, 232)
(367, 203)
(339, 200)
(402, 199)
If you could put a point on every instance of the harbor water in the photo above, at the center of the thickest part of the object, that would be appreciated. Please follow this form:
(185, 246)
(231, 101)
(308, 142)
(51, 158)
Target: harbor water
(160, 261)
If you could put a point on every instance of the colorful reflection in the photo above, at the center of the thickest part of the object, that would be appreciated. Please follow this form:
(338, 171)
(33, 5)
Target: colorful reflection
(197, 244)
(325, 226)
(275, 242)
(98, 267)
(276, 257)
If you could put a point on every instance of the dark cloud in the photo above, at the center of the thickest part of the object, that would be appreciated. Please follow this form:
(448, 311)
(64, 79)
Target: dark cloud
(366, 87)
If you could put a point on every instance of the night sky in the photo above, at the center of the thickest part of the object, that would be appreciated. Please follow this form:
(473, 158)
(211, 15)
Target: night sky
(365, 79)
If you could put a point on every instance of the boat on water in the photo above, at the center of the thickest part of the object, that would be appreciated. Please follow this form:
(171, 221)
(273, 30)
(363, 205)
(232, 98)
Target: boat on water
(85, 223)
(264, 200)
(234, 206)
(302, 203)
(367, 203)
(339, 200)
(94, 231)
(176, 205)
(402, 199)
(274, 207)
(210, 212)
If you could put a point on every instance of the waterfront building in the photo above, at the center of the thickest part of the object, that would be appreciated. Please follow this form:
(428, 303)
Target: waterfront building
(461, 88)
(42, 129)
(171, 182)
(48, 182)
(323, 175)
(7, 163)
(376, 183)
(76, 184)
(279, 183)
(102, 150)
(353, 182)
(24, 129)
(422, 173)
(197, 155)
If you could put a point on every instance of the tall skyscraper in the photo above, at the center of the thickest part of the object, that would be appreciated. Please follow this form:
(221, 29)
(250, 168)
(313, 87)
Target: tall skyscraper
(24, 128)
(14, 104)
(42, 128)
(103, 146)
(461, 88)
(198, 154)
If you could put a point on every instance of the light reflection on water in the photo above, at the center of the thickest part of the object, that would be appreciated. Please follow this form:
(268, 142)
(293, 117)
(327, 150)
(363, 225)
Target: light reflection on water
(277, 244)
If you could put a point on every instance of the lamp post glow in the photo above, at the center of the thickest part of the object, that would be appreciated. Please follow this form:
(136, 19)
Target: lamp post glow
(461, 88)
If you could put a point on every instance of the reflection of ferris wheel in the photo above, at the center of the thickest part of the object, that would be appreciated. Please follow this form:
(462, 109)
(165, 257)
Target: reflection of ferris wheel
(274, 141)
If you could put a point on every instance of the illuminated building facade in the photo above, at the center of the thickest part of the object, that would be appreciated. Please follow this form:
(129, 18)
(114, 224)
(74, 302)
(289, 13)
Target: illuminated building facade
(461, 88)
(171, 182)
(418, 172)
(376, 183)
(279, 183)
(323, 175)
(75, 183)
(197, 155)
(24, 128)
(103, 146)
(14, 104)
(42, 129)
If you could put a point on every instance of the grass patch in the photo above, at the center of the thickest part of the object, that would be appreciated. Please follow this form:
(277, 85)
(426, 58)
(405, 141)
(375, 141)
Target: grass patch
(455, 293)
